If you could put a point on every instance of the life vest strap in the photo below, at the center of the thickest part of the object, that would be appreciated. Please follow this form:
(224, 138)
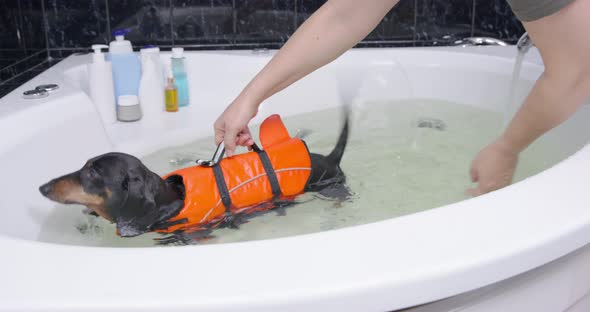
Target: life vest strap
(270, 171)
(222, 187)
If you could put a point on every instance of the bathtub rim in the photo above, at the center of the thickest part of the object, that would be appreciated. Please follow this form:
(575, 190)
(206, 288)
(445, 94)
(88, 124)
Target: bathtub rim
(570, 239)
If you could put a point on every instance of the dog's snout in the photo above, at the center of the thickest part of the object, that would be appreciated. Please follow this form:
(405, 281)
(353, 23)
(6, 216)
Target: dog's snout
(46, 188)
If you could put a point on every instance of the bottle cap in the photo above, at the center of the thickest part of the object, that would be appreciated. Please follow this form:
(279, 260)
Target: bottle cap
(98, 48)
(98, 56)
(128, 100)
(120, 34)
(177, 52)
(149, 49)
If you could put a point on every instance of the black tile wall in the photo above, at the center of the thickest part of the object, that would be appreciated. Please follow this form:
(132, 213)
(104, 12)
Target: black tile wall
(10, 25)
(264, 21)
(304, 8)
(21, 30)
(22, 40)
(396, 28)
(494, 18)
(203, 22)
(34, 31)
(397, 25)
(442, 22)
(148, 22)
(75, 23)
(33, 27)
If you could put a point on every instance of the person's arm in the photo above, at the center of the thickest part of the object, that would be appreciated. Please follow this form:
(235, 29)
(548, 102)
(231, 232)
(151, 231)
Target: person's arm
(333, 29)
(557, 94)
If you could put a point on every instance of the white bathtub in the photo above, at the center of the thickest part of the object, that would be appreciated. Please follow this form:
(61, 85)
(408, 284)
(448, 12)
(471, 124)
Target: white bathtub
(540, 224)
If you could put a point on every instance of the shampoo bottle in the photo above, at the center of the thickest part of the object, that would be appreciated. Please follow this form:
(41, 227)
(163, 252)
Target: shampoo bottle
(180, 77)
(126, 66)
(151, 86)
(100, 80)
(154, 52)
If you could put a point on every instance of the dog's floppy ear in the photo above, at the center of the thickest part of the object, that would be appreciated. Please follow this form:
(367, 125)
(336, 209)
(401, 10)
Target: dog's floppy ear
(139, 210)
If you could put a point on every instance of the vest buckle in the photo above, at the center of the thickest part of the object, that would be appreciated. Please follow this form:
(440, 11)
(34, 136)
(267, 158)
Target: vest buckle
(216, 157)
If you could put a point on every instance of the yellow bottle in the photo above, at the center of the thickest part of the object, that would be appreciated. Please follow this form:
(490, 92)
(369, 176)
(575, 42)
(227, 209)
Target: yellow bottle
(171, 96)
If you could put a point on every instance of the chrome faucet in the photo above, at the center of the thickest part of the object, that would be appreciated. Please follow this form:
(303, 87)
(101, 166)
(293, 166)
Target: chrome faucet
(524, 43)
(479, 41)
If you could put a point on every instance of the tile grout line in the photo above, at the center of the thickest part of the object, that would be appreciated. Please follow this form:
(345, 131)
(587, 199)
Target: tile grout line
(45, 28)
(108, 17)
(171, 3)
(473, 19)
(21, 60)
(21, 29)
(295, 16)
(24, 72)
(415, 35)
(234, 14)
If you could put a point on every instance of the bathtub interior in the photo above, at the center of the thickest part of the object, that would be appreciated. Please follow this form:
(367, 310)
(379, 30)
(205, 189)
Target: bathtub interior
(49, 137)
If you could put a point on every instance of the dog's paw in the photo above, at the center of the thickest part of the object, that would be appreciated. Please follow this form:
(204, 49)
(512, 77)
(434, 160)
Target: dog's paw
(232, 222)
(280, 206)
(338, 192)
(185, 238)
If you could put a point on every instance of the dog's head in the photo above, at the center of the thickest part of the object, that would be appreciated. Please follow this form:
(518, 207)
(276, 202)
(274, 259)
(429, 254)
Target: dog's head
(117, 186)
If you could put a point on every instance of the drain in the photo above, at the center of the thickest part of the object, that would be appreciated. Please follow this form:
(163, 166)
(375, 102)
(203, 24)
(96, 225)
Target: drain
(431, 123)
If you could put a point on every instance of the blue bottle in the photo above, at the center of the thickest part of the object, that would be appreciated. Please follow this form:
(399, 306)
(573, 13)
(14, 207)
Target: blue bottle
(126, 65)
(180, 77)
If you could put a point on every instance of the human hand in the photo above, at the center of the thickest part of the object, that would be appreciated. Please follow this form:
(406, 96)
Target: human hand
(232, 125)
(492, 168)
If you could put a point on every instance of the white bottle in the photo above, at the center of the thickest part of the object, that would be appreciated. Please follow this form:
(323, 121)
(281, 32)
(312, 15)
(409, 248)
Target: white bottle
(151, 89)
(154, 52)
(100, 81)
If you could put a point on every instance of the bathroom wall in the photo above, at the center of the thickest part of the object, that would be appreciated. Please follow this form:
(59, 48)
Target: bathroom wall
(34, 34)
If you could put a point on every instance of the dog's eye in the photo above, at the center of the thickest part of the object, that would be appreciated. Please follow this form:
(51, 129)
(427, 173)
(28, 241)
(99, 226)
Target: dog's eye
(92, 173)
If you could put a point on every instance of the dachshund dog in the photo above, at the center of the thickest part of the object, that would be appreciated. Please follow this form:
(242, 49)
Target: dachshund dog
(121, 189)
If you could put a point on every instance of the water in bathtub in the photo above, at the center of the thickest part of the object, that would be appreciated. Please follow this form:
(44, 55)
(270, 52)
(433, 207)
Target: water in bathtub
(403, 157)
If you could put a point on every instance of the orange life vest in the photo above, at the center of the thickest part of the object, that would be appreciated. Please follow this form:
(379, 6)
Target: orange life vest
(247, 181)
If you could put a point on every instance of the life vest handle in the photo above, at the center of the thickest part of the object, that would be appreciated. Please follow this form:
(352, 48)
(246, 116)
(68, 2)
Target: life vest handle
(216, 157)
(219, 152)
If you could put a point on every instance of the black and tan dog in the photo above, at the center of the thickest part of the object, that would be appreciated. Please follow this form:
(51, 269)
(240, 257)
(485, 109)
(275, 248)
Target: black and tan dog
(121, 189)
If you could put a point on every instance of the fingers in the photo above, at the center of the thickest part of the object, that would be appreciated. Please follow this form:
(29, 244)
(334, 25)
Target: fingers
(243, 140)
(246, 133)
(473, 173)
(475, 191)
(484, 187)
(230, 141)
(219, 129)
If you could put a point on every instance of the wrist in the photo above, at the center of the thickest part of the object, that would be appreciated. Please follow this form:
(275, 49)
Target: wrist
(248, 100)
(253, 95)
(508, 146)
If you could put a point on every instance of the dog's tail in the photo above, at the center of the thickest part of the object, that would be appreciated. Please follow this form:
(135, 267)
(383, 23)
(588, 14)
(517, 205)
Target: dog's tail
(336, 154)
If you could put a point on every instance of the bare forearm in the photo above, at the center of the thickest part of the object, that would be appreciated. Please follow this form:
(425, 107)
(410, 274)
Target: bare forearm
(552, 101)
(336, 27)
(564, 85)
